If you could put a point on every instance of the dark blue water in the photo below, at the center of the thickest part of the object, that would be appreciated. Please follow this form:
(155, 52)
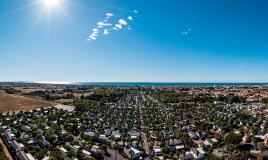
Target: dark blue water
(150, 84)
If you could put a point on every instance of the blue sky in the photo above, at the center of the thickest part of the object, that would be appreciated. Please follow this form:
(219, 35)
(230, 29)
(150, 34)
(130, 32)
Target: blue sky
(167, 41)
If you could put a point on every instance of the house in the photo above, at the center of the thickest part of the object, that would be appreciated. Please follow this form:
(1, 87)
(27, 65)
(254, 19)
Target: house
(31, 141)
(167, 134)
(157, 151)
(3, 128)
(217, 136)
(96, 153)
(201, 152)
(45, 143)
(22, 156)
(25, 129)
(208, 142)
(8, 136)
(133, 134)
(188, 156)
(16, 146)
(132, 152)
(73, 147)
(29, 156)
(86, 153)
(175, 145)
(214, 140)
(90, 134)
(116, 135)
(102, 138)
(63, 151)
(194, 152)
(192, 134)
(202, 134)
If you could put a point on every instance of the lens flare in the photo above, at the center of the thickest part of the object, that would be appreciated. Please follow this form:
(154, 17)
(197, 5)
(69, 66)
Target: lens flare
(51, 3)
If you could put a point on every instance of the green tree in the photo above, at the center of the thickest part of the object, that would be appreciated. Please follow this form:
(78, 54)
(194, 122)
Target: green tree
(265, 100)
(41, 154)
(233, 139)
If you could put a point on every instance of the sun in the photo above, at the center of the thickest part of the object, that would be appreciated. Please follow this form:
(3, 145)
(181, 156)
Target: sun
(51, 3)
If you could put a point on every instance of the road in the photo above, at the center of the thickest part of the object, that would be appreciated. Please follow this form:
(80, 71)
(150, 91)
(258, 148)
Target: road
(144, 137)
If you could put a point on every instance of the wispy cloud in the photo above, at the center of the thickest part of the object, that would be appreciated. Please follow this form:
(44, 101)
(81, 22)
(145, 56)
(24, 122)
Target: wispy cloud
(109, 25)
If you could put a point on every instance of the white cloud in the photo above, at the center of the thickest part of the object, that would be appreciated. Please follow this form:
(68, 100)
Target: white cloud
(105, 32)
(95, 34)
(92, 38)
(118, 26)
(95, 30)
(130, 18)
(109, 25)
(100, 23)
(122, 22)
(104, 24)
(109, 14)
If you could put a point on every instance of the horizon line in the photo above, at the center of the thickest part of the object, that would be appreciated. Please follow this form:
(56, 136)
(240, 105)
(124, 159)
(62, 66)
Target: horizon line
(172, 82)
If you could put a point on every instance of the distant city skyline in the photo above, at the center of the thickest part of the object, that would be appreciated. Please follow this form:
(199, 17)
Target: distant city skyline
(134, 41)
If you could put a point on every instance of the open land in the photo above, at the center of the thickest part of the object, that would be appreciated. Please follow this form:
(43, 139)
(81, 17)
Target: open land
(9, 102)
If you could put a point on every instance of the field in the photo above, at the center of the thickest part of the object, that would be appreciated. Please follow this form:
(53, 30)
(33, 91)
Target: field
(9, 102)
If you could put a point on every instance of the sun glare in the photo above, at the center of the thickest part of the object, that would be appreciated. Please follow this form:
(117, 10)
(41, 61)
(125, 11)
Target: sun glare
(51, 3)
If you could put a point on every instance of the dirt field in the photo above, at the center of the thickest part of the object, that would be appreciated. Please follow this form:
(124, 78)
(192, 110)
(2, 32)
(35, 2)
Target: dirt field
(5, 150)
(10, 102)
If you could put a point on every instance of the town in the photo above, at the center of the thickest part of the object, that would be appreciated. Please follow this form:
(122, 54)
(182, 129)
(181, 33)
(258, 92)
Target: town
(141, 123)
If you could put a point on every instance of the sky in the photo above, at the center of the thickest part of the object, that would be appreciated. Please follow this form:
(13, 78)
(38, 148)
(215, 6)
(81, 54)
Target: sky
(134, 40)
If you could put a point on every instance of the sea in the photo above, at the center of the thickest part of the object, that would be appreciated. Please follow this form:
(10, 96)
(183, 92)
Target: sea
(165, 84)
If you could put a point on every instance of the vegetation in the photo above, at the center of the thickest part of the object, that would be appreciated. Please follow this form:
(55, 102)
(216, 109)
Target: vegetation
(174, 97)
(2, 153)
(86, 105)
(265, 100)
(106, 95)
(231, 98)
(233, 139)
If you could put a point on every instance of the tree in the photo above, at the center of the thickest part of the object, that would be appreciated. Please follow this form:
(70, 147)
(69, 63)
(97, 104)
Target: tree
(245, 155)
(233, 139)
(71, 154)
(56, 155)
(265, 100)
(130, 152)
(41, 154)
(80, 154)
(211, 156)
(2, 153)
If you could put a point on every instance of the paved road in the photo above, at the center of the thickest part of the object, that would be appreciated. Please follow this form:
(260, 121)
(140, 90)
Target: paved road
(144, 138)
(145, 143)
